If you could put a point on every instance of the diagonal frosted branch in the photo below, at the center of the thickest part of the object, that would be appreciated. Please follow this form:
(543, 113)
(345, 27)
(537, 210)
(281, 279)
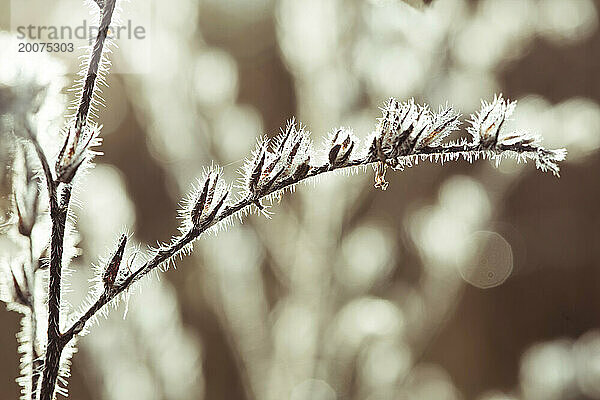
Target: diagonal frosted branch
(404, 135)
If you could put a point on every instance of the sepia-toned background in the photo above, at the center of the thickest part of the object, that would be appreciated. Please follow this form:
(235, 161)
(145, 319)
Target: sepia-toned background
(459, 282)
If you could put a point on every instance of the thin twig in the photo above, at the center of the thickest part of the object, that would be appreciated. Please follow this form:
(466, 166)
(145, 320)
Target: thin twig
(94, 65)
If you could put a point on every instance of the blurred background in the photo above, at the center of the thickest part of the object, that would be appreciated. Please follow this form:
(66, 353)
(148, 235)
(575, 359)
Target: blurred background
(461, 281)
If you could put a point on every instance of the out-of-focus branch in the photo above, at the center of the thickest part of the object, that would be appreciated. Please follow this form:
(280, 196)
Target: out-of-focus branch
(26, 199)
(32, 136)
(419, 4)
(35, 361)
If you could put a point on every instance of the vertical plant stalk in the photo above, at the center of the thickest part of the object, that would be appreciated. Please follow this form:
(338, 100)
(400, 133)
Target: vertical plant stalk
(69, 160)
(54, 347)
(94, 64)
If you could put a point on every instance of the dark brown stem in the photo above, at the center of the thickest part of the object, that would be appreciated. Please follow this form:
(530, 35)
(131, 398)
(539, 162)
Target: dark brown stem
(94, 65)
(54, 347)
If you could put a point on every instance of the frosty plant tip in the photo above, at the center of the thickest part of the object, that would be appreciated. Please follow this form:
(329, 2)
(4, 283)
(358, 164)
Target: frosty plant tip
(408, 132)
(405, 134)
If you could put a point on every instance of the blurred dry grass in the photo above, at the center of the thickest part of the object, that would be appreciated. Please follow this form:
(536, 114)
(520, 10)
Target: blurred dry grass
(263, 319)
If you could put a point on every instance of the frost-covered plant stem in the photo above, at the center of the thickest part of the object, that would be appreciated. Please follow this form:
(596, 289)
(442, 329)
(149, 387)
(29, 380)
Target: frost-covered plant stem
(71, 156)
(54, 346)
(107, 10)
(166, 253)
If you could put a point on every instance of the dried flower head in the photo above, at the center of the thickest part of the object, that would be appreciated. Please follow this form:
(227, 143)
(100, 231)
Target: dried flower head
(487, 123)
(112, 269)
(209, 200)
(342, 144)
(407, 132)
(405, 128)
(76, 149)
(277, 160)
